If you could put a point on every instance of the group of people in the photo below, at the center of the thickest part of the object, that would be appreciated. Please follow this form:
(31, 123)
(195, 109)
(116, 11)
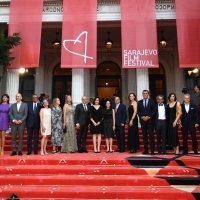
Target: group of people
(62, 124)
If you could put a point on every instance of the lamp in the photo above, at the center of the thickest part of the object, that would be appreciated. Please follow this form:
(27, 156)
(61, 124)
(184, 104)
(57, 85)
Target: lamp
(56, 43)
(163, 42)
(108, 43)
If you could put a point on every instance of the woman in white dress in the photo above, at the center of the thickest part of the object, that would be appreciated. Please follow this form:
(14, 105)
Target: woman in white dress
(69, 140)
(45, 124)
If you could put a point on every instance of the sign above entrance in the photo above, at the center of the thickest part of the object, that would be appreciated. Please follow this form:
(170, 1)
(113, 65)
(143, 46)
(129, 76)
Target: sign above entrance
(79, 34)
(139, 34)
(188, 33)
(26, 19)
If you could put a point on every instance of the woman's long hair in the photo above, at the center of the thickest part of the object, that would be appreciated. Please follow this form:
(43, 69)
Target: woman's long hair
(129, 101)
(4, 95)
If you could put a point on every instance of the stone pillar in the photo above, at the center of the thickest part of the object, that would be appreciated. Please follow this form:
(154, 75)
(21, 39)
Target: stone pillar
(80, 84)
(142, 81)
(12, 84)
(131, 81)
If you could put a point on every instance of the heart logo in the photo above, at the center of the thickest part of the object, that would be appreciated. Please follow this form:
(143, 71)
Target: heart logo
(77, 40)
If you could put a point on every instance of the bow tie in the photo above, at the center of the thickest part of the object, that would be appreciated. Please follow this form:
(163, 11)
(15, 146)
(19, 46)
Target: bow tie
(160, 104)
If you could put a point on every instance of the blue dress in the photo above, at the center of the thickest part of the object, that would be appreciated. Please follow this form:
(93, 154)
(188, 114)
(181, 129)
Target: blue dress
(4, 117)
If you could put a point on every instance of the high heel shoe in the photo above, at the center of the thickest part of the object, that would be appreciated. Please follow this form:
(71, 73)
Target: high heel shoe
(2, 153)
(45, 152)
(42, 153)
(177, 150)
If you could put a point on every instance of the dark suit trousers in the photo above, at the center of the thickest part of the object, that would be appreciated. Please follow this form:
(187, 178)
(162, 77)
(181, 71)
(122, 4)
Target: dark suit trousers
(81, 137)
(33, 132)
(20, 130)
(192, 130)
(161, 128)
(148, 128)
(120, 138)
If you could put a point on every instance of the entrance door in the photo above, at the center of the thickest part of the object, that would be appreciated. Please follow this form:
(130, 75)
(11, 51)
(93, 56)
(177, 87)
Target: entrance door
(108, 80)
(157, 82)
(62, 83)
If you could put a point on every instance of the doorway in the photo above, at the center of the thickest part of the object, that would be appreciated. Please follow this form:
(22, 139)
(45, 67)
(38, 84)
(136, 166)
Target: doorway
(157, 82)
(108, 80)
(62, 83)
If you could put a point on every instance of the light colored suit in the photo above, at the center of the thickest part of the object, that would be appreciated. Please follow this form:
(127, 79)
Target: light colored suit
(21, 115)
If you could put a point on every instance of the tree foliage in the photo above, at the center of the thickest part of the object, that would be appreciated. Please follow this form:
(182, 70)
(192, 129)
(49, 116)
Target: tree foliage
(7, 43)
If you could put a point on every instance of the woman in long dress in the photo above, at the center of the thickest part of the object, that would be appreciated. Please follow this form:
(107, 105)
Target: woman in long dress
(174, 113)
(57, 126)
(109, 126)
(4, 120)
(69, 139)
(45, 126)
(133, 135)
(96, 125)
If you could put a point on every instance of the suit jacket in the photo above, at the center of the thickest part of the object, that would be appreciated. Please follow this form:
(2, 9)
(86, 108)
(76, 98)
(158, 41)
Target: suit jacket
(157, 114)
(81, 116)
(191, 118)
(120, 115)
(33, 119)
(18, 115)
(148, 111)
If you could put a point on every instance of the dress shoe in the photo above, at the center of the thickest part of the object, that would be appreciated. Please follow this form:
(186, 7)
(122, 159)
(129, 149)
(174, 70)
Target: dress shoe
(121, 151)
(117, 150)
(185, 153)
(80, 151)
(164, 152)
(85, 151)
(145, 152)
(159, 151)
(152, 153)
(98, 151)
(13, 153)
(131, 151)
(35, 153)
(29, 153)
(196, 152)
(20, 153)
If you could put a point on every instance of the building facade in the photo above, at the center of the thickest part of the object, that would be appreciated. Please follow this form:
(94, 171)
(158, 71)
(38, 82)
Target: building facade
(109, 77)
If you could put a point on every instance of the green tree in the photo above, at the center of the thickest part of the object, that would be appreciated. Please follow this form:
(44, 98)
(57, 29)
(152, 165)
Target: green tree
(7, 43)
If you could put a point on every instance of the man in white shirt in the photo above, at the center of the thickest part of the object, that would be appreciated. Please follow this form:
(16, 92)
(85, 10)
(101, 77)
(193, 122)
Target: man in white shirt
(161, 124)
(18, 114)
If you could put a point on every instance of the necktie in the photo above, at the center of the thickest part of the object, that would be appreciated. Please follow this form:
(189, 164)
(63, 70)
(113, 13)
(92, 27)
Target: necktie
(160, 104)
(85, 107)
(34, 109)
(145, 103)
(116, 108)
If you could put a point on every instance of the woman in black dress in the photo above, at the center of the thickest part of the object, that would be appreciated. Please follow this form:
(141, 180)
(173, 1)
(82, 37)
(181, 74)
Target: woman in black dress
(96, 125)
(109, 125)
(173, 119)
(133, 136)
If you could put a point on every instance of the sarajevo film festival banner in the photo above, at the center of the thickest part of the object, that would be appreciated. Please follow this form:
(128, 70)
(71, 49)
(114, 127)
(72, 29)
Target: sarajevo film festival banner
(139, 34)
(26, 18)
(79, 34)
(188, 32)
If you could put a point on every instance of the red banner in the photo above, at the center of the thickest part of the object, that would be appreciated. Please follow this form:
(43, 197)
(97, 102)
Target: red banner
(79, 34)
(139, 34)
(188, 32)
(26, 18)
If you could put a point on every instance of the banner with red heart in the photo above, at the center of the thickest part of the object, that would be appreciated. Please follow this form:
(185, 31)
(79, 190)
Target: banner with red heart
(79, 34)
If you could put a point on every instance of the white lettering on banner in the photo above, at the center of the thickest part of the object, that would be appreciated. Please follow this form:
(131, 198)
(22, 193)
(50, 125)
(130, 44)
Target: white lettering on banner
(133, 57)
(75, 41)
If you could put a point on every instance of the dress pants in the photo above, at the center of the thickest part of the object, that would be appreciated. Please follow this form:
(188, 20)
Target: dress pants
(161, 128)
(81, 137)
(20, 129)
(148, 129)
(192, 130)
(33, 132)
(120, 138)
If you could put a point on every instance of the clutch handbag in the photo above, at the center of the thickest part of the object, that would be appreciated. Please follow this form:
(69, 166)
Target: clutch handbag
(65, 130)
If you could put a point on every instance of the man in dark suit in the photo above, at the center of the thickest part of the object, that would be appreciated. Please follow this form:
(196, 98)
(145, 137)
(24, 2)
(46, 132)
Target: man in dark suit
(91, 102)
(33, 124)
(82, 121)
(18, 113)
(189, 122)
(120, 121)
(161, 124)
(146, 113)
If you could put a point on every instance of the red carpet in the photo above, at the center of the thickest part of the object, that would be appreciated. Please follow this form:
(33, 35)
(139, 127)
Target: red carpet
(99, 176)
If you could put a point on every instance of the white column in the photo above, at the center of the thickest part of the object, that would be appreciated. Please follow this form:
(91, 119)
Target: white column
(80, 84)
(142, 81)
(12, 84)
(92, 81)
(131, 80)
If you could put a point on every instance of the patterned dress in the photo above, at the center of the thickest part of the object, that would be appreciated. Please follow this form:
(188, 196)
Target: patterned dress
(56, 126)
(69, 140)
(4, 117)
